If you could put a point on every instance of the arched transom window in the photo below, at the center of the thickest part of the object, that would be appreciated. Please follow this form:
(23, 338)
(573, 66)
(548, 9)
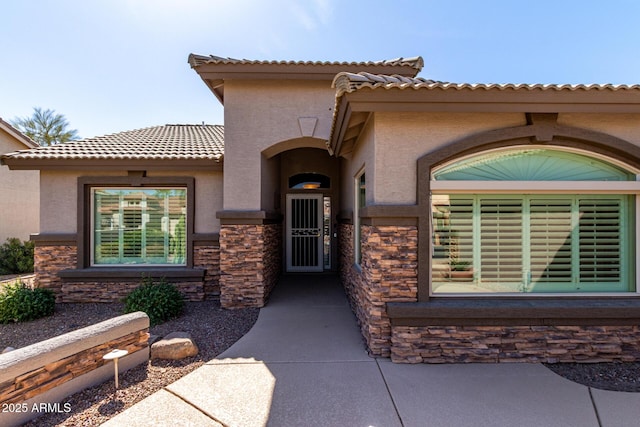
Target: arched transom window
(533, 220)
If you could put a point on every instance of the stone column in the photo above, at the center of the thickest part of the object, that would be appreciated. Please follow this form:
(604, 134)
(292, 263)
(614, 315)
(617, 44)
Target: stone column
(387, 273)
(53, 253)
(250, 258)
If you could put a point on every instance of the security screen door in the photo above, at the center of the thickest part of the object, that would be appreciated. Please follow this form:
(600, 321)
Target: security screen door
(304, 232)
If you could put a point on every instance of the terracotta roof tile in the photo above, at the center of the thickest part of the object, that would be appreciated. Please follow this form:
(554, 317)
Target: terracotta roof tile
(196, 60)
(169, 142)
(351, 82)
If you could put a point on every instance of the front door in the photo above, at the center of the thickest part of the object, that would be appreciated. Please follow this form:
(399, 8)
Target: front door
(305, 233)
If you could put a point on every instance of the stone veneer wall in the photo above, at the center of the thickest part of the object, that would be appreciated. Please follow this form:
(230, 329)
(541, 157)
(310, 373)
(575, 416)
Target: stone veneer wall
(550, 344)
(73, 292)
(48, 261)
(250, 263)
(388, 273)
(51, 259)
(208, 257)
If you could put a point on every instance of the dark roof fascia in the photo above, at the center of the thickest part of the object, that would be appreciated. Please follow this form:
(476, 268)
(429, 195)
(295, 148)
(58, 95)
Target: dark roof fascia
(111, 164)
(506, 100)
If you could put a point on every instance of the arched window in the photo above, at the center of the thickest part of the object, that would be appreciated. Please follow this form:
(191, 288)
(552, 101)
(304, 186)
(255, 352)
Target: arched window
(533, 220)
(309, 181)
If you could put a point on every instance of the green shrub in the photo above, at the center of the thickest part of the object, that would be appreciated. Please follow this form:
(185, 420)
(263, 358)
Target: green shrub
(16, 257)
(161, 301)
(19, 303)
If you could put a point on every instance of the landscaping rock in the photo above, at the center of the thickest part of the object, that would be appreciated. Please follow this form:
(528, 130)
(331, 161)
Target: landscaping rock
(153, 338)
(176, 345)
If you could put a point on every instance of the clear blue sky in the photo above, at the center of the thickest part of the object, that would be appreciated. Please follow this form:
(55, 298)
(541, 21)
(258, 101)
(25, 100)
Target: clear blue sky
(115, 65)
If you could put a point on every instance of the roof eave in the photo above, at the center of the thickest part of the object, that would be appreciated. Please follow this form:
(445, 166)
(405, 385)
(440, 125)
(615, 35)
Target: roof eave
(349, 103)
(24, 139)
(111, 164)
(214, 71)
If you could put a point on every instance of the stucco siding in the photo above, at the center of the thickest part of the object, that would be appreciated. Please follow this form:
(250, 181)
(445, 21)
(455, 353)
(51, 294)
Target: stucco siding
(363, 155)
(624, 126)
(60, 193)
(258, 115)
(402, 138)
(19, 192)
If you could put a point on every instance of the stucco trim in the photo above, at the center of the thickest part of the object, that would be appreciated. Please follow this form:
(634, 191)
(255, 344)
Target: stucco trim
(85, 183)
(382, 215)
(248, 217)
(206, 239)
(541, 129)
(54, 239)
(611, 311)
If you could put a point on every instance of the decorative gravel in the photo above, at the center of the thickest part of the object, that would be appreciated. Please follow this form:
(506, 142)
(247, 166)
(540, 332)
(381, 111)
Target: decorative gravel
(212, 328)
(605, 376)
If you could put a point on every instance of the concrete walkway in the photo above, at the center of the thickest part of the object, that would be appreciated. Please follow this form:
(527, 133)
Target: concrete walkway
(304, 364)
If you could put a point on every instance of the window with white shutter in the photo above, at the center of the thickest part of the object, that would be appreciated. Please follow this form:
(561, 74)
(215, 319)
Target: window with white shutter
(531, 244)
(139, 226)
(536, 242)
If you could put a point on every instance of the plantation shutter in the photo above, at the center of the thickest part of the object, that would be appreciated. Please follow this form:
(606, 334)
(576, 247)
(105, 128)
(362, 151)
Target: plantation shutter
(501, 240)
(132, 232)
(139, 226)
(459, 233)
(550, 240)
(107, 227)
(600, 236)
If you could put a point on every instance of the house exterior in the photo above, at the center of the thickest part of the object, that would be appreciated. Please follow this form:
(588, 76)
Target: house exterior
(19, 191)
(467, 222)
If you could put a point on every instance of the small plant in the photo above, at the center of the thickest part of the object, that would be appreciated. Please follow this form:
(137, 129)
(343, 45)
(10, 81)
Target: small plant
(160, 300)
(20, 303)
(16, 257)
(457, 265)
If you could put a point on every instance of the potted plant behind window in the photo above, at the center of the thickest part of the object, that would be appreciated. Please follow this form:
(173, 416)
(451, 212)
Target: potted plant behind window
(460, 270)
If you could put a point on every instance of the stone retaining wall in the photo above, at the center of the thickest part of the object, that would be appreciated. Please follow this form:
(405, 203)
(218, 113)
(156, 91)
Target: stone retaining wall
(551, 344)
(250, 263)
(388, 273)
(49, 371)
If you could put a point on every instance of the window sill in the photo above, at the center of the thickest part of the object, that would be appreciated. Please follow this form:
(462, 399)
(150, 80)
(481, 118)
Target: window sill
(120, 274)
(624, 310)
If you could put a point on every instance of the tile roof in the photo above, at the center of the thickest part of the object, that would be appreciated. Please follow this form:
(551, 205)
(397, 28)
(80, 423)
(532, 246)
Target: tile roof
(195, 60)
(169, 142)
(350, 82)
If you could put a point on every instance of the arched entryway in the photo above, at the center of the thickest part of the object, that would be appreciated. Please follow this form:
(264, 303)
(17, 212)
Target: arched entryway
(309, 190)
